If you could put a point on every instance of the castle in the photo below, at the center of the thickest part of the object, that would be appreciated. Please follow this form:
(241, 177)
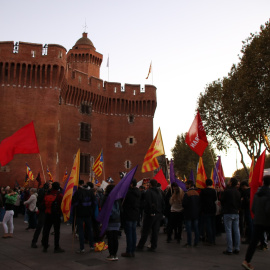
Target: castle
(72, 108)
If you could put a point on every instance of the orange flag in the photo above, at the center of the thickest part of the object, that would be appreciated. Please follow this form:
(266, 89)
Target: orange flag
(156, 149)
(71, 184)
(201, 175)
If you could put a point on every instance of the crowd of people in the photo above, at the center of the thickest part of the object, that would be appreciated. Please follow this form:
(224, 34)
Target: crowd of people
(195, 211)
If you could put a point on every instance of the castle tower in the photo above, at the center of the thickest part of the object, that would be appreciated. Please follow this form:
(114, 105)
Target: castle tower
(72, 108)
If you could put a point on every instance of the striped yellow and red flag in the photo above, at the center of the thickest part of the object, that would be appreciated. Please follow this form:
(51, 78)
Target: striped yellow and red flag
(29, 173)
(201, 175)
(251, 170)
(156, 149)
(71, 185)
(98, 164)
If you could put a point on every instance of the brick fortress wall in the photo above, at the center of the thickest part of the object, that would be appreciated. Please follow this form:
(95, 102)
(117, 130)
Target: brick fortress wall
(52, 88)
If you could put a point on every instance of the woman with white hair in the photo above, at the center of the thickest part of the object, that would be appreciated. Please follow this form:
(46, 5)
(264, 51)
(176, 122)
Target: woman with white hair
(32, 209)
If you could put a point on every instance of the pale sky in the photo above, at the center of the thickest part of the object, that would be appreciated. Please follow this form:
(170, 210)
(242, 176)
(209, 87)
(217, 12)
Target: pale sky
(190, 44)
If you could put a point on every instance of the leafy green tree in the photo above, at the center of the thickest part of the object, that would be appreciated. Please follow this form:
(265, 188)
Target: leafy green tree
(236, 109)
(186, 160)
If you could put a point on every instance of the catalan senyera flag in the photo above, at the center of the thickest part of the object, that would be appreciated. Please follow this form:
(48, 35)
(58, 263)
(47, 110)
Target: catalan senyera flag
(219, 177)
(98, 164)
(150, 69)
(156, 149)
(201, 175)
(65, 176)
(49, 173)
(29, 173)
(266, 140)
(71, 184)
(23, 141)
(251, 170)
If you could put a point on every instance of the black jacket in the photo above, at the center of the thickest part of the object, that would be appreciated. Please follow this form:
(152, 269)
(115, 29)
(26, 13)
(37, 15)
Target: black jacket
(153, 203)
(84, 201)
(231, 201)
(131, 205)
(208, 197)
(261, 207)
(191, 204)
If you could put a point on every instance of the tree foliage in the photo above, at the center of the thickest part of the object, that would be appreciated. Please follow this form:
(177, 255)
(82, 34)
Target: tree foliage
(186, 160)
(236, 108)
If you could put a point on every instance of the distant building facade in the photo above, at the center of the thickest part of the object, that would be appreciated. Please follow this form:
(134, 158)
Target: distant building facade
(72, 108)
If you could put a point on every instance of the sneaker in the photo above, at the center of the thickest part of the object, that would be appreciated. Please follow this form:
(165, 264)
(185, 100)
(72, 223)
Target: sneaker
(80, 251)
(92, 248)
(115, 258)
(110, 258)
(26, 222)
(247, 265)
(226, 252)
(58, 250)
(151, 249)
(236, 251)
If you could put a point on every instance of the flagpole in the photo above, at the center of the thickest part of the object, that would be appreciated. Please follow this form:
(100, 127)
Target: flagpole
(215, 169)
(108, 66)
(42, 168)
(152, 72)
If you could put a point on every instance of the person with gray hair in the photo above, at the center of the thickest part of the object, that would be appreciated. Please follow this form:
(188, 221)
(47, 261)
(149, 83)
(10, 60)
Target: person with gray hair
(31, 203)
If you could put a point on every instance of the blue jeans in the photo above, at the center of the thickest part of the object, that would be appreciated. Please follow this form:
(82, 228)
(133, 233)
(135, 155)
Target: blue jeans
(192, 224)
(131, 236)
(231, 224)
(88, 229)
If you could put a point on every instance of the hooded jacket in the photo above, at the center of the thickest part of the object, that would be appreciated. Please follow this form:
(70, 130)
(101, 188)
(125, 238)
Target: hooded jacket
(261, 206)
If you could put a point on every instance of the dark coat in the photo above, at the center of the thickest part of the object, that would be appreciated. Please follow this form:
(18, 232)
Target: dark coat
(231, 201)
(191, 203)
(261, 207)
(131, 205)
(208, 197)
(153, 203)
(84, 201)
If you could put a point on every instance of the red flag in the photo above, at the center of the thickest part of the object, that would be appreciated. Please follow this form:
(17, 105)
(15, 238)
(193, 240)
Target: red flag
(161, 179)
(196, 136)
(23, 141)
(257, 178)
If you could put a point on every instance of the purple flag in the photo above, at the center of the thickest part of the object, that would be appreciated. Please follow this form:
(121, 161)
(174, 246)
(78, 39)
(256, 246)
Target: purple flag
(191, 176)
(173, 179)
(118, 192)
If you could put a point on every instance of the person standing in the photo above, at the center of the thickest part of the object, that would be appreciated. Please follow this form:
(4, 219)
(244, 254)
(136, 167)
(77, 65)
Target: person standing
(208, 197)
(112, 230)
(131, 213)
(84, 202)
(41, 212)
(191, 204)
(231, 204)
(153, 213)
(261, 221)
(53, 200)
(175, 221)
(8, 226)
(32, 209)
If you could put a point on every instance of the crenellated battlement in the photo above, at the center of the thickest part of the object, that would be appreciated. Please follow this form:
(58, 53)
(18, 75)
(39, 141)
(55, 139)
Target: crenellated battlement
(31, 65)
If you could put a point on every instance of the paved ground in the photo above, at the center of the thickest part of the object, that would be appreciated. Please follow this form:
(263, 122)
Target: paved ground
(15, 253)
